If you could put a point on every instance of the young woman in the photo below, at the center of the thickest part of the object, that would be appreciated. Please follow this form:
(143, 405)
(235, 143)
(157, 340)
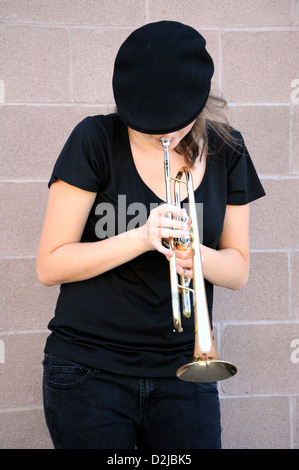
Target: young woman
(111, 358)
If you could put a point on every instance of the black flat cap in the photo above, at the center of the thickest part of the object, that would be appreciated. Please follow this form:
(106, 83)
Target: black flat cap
(162, 77)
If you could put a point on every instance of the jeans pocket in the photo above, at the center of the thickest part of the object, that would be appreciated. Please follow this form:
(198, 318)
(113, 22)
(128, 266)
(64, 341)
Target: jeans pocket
(206, 386)
(63, 373)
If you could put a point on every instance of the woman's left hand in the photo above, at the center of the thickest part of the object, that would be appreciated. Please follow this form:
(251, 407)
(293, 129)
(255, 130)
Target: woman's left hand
(184, 262)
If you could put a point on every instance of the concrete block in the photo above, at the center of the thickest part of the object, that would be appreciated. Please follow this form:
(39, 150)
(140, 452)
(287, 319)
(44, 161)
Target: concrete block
(24, 429)
(264, 355)
(258, 67)
(25, 302)
(80, 12)
(35, 64)
(93, 55)
(266, 131)
(225, 13)
(295, 135)
(275, 218)
(32, 137)
(295, 285)
(296, 422)
(21, 374)
(256, 423)
(22, 207)
(264, 298)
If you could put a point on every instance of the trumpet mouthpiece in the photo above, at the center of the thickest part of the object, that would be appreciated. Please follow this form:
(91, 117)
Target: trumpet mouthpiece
(165, 142)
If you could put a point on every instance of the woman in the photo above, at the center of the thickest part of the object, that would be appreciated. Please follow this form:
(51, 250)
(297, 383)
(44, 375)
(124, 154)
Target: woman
(111, 358)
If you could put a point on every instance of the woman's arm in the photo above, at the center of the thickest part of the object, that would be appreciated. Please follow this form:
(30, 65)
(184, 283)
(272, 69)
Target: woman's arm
(228, 266)
(62, 258)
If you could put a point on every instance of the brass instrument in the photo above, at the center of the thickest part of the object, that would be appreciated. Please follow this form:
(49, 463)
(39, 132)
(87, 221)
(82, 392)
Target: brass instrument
(206, 365)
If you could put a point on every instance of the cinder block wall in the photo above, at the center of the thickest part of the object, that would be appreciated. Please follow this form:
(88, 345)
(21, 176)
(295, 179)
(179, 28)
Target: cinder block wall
(55, 68)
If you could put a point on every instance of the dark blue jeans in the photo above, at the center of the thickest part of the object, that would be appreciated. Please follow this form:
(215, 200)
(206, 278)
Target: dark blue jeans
(92, 409)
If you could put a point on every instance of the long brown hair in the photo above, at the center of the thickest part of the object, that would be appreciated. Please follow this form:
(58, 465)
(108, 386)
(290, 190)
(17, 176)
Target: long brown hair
(195, 143)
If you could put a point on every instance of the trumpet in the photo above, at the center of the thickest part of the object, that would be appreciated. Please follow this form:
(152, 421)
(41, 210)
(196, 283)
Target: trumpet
(206, 364)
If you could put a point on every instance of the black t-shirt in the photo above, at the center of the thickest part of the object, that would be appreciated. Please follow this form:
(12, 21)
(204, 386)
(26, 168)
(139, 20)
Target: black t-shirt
(121, 320)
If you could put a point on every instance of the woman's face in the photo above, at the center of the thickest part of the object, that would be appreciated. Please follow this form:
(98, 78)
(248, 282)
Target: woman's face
(154, 140)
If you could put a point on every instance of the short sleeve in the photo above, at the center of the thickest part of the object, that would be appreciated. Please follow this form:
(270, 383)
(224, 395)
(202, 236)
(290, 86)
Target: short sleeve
(243, 183)
(81, 161)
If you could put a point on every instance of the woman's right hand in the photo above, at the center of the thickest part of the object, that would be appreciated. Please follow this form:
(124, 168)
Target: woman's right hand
(163, 223)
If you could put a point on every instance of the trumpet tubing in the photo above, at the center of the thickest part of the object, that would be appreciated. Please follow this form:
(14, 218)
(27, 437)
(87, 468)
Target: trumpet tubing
(206, 364)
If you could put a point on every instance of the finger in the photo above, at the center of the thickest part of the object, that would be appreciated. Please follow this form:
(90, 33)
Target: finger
(183, 254)
(176, 211)
(157, 231)
(185, 264)
(171, 233)
(168, 222)
(182, 271)
(168, 252)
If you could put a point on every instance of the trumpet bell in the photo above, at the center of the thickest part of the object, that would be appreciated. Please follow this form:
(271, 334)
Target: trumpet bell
(206, 371)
